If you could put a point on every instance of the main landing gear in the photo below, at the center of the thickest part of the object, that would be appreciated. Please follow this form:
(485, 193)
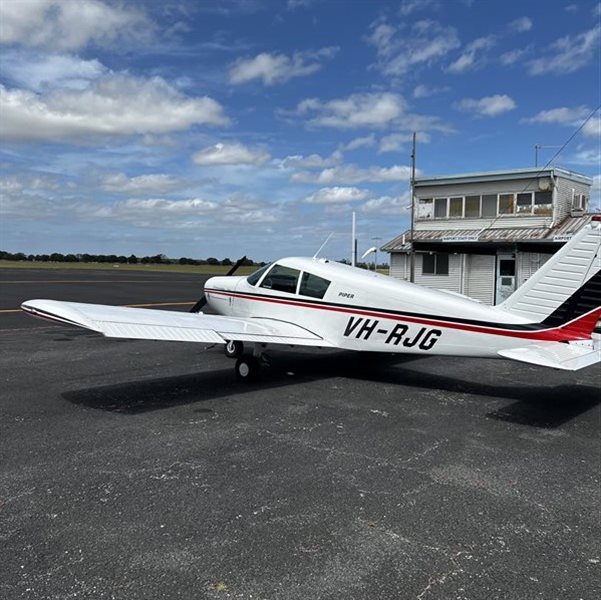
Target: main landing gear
(248, 366)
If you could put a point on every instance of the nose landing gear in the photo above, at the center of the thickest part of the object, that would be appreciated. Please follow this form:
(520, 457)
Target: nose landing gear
(234, 349)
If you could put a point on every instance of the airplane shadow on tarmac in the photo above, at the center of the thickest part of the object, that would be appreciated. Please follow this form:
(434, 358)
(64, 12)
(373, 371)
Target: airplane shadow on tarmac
(535, 406)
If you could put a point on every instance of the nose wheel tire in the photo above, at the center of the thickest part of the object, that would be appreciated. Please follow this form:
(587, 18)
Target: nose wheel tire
(234, 349)
(248, 368)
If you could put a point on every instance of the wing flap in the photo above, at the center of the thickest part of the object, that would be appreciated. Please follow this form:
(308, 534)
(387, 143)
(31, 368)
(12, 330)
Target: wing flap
(569, 357)
(149, 324)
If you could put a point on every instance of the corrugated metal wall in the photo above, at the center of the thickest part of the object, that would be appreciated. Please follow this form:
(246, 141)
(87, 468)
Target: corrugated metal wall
(527, 263)
(399, 266)
(563, 202)
(480, 277)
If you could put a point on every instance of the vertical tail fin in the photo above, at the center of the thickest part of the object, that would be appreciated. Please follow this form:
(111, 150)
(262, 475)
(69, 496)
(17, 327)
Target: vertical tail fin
(567, 288)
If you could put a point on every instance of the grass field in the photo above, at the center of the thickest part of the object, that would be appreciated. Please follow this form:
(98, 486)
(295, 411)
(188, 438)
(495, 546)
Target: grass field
(199, 269)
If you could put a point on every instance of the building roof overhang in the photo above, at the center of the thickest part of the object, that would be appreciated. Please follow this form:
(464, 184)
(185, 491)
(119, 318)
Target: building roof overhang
(488, 176)
(473, 238)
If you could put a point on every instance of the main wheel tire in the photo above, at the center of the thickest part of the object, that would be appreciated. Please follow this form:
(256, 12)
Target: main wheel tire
(247, 368)
(234, 349)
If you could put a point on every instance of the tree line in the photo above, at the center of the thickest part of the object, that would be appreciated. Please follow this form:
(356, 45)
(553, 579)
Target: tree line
(132, 259)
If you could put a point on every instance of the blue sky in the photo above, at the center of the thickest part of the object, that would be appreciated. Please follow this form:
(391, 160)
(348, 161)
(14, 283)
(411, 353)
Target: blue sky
(231, 127)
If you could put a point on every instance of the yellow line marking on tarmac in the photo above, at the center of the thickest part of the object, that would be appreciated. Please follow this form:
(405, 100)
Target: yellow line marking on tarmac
(18, 310)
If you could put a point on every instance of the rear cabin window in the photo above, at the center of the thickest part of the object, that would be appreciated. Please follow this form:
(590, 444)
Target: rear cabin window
(253, 278)
(281, 279)
(314, 286)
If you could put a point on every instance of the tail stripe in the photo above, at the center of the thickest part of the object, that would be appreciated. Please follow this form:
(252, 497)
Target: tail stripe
(583, 301)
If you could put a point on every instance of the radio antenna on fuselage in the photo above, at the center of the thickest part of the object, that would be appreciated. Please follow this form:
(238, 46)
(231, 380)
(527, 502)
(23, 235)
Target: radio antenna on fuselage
(323, 245)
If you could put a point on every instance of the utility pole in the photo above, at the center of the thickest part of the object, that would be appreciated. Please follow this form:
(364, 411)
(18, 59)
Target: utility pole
(412, 253)
(354, 241)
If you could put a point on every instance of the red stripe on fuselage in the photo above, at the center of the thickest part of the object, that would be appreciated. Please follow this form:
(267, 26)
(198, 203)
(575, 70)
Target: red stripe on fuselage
(566, 332)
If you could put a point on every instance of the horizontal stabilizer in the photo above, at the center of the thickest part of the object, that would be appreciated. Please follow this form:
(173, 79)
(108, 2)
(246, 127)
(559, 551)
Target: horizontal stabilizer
(148, 324)
(557, 355)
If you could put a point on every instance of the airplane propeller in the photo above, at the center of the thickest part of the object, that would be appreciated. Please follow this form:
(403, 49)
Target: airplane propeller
(203, 300)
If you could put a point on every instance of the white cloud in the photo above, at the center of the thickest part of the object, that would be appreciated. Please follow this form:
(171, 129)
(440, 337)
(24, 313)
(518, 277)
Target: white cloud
(586, 157)
(593, 128)
(61, 25)
(568, 54)
(39, 72)
(394, 142)
(425, 91)
(511, 57)
(138, 207)
(410, 6)
(561, 115)
(113, 105)
(366, 141)
(337, 195)
(473, 56)
(352, 174)
(520, 25)
(388, 205)
(230, 154)
(278, 68)
(572, 117)
(141, 184)
(358, 110)
(597, 10)
(312, 161)
(400, 50)
(489, 106)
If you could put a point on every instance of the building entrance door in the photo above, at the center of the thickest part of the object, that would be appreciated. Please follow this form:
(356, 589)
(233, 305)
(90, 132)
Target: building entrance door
(505, 277)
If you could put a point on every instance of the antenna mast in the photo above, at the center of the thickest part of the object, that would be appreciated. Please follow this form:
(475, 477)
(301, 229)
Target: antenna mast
(412, 253)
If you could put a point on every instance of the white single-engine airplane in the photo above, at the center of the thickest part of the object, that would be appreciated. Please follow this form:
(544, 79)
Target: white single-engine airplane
(548, 321)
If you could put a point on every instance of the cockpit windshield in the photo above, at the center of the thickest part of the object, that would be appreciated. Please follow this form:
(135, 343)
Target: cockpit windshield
(253, 278)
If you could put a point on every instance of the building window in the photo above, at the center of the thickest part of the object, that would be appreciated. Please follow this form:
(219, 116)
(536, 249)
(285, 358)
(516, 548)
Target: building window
(505, 204)
(435, 264)
(425, 208)
(472, 206)
(543, 203)
(524, 203)
(440, 208)
(489, 205)
(455, 207)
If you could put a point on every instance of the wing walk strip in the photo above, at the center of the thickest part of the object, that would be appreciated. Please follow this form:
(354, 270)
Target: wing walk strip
(531, 331)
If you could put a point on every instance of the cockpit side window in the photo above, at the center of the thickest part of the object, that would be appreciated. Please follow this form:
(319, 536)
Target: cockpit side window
(314, 286)
(253, 278)
(281, 279)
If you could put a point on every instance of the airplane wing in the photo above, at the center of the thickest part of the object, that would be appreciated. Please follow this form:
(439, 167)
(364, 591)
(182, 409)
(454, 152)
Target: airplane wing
(568, 357)
(149, 324)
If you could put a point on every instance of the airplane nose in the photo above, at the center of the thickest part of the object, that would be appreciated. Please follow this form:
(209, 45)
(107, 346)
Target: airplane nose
(220, 283)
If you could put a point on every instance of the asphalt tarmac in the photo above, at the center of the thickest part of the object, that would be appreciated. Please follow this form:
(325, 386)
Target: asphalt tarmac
(142, 470)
